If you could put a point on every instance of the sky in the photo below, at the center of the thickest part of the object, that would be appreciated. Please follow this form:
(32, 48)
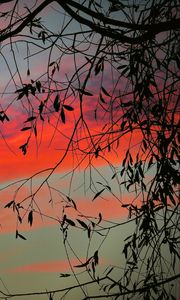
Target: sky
(36, 263)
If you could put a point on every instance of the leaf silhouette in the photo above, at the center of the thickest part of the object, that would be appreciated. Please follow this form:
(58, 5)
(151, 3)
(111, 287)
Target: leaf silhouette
(26, 128)
(105, 92)
(9, 204)
(100, 218)
(96, 258)
(63, 116)
(19, 235)
(98, 194)
(82, 91)
(70, 222)
(38, 86)
(30, 217)
(82, 224)
(68, 107)
(56, 103)
(30, 119)
(64, 275)
(84, 264)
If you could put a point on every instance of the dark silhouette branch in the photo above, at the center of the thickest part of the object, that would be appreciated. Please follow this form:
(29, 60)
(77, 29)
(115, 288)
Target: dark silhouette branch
(134, 291)
(26, 20)
(155, 27)
(8, 296)
(150, 30)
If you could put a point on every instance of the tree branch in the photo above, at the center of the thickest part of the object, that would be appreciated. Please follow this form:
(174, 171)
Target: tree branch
(140, 290)
(162, 26)
(5, 295)
(26, 21)
(151, 29)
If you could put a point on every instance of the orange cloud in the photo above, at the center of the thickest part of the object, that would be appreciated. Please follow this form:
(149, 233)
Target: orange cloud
(60, 266)
(52, 266)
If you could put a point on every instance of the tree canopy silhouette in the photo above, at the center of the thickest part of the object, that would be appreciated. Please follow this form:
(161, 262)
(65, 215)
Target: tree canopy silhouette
(110, 69)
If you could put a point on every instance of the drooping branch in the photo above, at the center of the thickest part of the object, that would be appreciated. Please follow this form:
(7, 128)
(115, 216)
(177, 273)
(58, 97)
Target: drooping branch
(155, 27)
(10, 296)
(149, 31)
(134, 291)
(140, 290)
(118, 35)
(5, 1)
(7, 32)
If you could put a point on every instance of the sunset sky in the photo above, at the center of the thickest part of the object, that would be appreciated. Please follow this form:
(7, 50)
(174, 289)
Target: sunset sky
(83, 149)
(35, 264)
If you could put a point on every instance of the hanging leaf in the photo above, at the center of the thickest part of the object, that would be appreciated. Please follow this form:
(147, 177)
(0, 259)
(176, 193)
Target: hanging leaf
(63, 116)
(89, 232)
(63, 220)
(82, 224)
(70, 222)
(35, 130)
(21, 95)
(38, 86)
(64, 275)
(26, 128)
(125, 205)
(93, 268)
(141, 171)
(102, 99)
(56, 103)
(52, 63)
(20, 219)
(105, 92)
(19, 235)
(30, 119)
(123, 125)
(100, 218)
(97, 69)
(85, 264)
(96, 258)
(82, 91)
(114, 175)
(110, 270)
(9, 204)
(71, 200)
(24, 148)
(41, 106)
(98, 194)
(150, 162)
(108, 187)
(97, 151)
(68, 107)
(30, 217)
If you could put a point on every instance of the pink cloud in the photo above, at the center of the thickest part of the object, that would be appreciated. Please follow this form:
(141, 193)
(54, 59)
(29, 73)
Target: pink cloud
(60, 266)
(53, 266)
